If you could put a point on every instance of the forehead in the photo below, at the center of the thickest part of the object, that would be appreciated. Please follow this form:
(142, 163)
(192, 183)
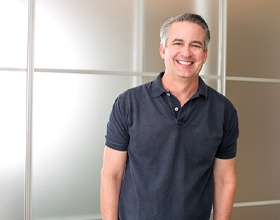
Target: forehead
(186, 31)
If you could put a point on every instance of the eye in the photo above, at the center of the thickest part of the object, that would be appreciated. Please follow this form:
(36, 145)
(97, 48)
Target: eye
(178, 43)
(196, 46)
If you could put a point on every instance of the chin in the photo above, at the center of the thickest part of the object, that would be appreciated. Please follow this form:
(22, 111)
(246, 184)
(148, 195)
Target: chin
(188, 75)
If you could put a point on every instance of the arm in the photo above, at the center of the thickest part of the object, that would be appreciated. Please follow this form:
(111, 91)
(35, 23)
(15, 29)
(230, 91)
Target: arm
(111, 177)
(224, 188)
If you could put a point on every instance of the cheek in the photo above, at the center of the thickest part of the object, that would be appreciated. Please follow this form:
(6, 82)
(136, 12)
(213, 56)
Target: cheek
(201, 58)
(171, 55)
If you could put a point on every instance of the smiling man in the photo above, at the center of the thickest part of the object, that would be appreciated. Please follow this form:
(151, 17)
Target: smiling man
(171, 143)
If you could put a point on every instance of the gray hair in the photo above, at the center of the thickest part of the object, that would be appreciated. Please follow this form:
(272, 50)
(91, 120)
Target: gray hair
(194, 18)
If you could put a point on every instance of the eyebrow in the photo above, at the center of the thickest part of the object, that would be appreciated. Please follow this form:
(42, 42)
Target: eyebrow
(177, 39)
(181, 40)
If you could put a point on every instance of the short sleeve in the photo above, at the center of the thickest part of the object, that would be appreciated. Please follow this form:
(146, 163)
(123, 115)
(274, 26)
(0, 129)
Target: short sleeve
(117, 136)
(228, 146)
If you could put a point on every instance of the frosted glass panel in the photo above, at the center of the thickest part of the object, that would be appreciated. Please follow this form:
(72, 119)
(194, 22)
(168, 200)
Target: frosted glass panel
(84, 34)
(269, 212)
(13, 37)
(258, 152)
(209, 10)
(69, 124)
(12, 144)
(253, 28)
(214, 83)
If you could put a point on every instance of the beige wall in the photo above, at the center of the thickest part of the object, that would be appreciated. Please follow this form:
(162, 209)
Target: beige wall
(253, 85)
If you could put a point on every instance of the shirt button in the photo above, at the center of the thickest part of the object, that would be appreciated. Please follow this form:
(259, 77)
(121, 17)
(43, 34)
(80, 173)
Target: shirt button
(168, 94)
(176, 109)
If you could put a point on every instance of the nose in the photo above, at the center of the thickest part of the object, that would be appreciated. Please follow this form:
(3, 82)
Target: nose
(187, 51)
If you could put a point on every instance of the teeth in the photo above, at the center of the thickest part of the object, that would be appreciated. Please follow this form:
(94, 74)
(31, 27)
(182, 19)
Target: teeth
(184, 63)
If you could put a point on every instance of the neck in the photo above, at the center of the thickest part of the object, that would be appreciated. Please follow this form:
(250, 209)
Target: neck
(183, 88)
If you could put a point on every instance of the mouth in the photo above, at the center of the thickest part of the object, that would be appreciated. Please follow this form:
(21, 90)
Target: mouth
(185, 63)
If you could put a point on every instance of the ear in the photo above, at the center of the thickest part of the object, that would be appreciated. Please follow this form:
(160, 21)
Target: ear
(205, 56)
(162, 51)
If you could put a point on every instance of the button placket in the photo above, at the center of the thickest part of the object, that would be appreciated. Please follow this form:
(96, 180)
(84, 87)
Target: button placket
(172, 100)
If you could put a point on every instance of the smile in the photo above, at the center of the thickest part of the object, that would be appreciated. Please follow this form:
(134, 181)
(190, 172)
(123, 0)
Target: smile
(184, 63)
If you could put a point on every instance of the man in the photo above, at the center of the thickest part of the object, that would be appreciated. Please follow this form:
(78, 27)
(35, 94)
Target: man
(171, 143)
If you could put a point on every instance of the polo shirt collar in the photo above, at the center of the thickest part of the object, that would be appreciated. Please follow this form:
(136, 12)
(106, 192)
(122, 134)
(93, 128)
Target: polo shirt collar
(158, 90)
(157, 87)
(202, 88)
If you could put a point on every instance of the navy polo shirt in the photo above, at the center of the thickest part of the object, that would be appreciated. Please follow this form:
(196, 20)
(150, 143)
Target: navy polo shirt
(171, 150)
